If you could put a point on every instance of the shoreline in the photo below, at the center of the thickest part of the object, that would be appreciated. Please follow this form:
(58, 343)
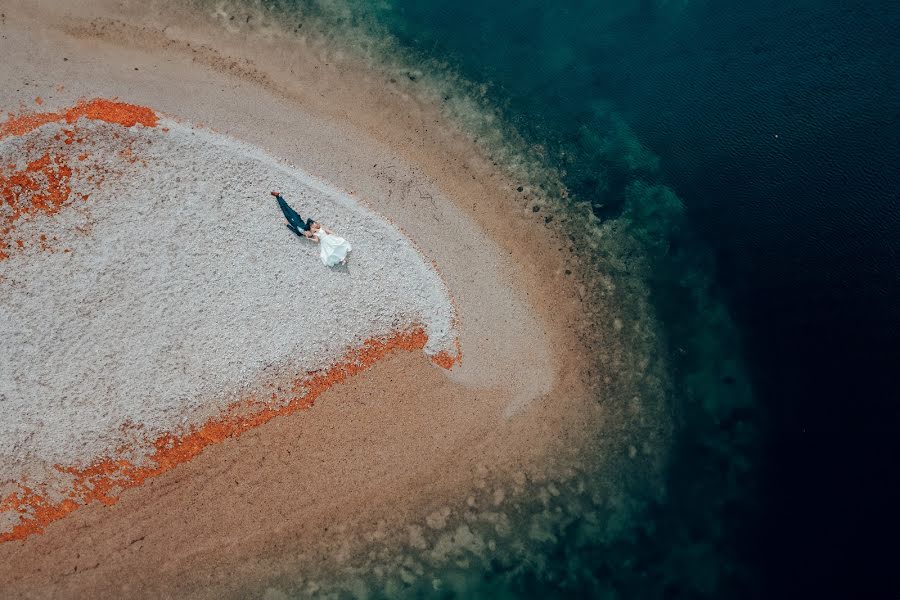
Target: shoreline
(107, 477)
(522, 312)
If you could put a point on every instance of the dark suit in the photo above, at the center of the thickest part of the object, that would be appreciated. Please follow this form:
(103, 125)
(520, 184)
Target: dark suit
(294, 221)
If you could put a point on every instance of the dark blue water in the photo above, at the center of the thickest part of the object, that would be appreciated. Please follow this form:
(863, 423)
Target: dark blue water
(776, 123)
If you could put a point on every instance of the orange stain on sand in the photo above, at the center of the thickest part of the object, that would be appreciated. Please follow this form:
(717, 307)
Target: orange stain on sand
(111, 111)
(446, 360)
(42, 186)
(107, 478)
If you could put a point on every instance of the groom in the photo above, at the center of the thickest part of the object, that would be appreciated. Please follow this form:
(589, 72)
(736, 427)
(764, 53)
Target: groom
(294, 221)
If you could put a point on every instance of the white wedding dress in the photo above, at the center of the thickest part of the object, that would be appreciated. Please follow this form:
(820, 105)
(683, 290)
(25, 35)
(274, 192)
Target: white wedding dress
(332, 248)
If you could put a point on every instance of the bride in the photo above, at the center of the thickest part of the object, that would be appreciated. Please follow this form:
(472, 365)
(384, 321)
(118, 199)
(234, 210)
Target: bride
(333, 249)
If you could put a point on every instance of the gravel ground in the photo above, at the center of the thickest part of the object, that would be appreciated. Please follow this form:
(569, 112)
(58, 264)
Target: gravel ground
(162, 297)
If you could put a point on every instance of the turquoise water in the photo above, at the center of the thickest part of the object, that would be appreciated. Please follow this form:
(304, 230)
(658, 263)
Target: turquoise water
(751, 152)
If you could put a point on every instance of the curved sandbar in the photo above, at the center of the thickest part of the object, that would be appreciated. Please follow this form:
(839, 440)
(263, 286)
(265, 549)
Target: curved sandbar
(152, 295)
(404, 470)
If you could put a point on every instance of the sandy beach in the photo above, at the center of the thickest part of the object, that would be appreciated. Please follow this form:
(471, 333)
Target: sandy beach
(401, 465)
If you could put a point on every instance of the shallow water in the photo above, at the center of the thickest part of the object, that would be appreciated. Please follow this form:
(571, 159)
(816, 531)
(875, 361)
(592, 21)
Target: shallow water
(750, 152)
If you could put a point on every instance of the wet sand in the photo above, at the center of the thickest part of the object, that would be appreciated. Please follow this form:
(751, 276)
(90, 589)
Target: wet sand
(403, 462)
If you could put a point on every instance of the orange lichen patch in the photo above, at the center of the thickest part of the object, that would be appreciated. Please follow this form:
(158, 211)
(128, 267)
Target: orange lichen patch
(127, 115)
(98, 109)
(107, 478)
(446, 360)
(38, 100)
(35, 507)
(41, 187)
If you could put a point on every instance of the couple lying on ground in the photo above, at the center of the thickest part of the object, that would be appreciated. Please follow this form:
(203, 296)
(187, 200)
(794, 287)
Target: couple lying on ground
(332, 248)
